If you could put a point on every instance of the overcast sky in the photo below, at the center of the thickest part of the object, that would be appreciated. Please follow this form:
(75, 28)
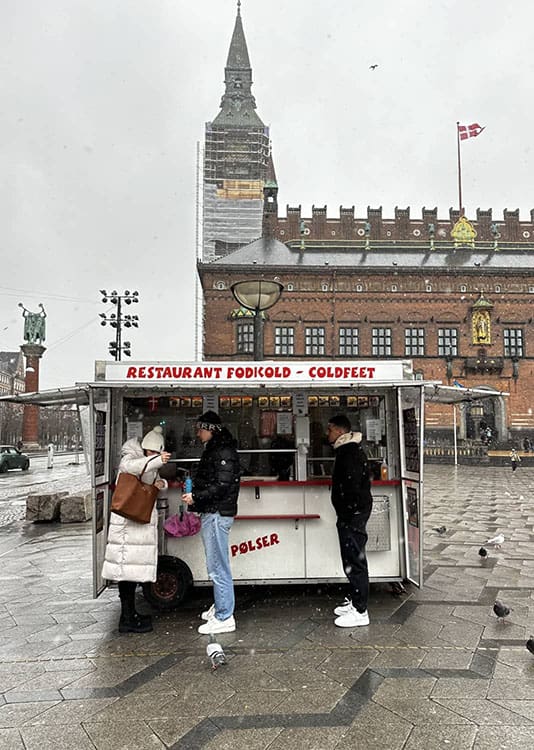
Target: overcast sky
(103, 102)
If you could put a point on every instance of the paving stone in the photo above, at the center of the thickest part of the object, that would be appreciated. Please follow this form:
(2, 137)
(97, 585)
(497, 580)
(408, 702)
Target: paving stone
(246, 739)
(250, 702)
(421, 711)
(10, 739)
(17, 714)
(404, 687)
(458, 687)
(376, 727)
(482, 712)
(312, 738)
(310, 701)
(174, 728)
(52, 738)
(504, 738)
(438, 738)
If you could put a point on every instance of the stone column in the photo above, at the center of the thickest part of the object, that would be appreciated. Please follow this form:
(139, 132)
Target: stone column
(30, 420)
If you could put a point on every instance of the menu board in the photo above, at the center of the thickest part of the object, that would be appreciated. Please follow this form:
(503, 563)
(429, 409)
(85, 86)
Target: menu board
(100, 443)
(411, 440)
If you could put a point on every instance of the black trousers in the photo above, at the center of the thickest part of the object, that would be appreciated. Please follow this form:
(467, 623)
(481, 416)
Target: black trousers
(352, 540)
(127, 597)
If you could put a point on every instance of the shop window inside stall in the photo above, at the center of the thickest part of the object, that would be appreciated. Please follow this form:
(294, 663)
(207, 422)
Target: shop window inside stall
(177, 416)
(366, 414)
(265, 432)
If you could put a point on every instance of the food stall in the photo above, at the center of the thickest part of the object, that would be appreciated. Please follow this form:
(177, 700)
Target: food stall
(278, 411)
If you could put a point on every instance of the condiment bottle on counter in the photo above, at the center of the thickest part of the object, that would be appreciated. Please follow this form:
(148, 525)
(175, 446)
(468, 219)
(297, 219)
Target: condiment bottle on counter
(383, 470)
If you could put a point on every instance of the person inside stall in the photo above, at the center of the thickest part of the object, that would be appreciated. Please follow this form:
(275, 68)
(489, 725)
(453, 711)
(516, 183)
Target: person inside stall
(131, 555)
(282, 463)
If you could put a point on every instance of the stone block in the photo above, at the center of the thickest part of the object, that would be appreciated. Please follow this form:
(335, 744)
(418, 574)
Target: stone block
(44, 507)
(76, 508)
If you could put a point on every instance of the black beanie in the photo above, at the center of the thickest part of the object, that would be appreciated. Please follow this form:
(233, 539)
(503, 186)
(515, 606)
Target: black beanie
(210, 420)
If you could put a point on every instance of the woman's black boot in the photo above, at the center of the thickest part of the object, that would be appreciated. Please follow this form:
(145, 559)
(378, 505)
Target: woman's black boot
(130, 621)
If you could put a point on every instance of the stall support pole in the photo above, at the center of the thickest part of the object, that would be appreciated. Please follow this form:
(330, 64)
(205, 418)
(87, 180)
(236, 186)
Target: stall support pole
(454, 431)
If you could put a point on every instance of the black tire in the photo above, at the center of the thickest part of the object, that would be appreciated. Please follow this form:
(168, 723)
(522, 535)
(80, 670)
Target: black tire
(25, 466)
(3, 468)
(173, 582)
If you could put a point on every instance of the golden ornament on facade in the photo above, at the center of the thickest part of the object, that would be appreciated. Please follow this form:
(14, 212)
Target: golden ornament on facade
(463, 233)
(481, 327)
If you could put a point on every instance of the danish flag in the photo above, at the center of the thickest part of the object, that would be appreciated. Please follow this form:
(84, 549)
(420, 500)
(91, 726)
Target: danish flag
(469, 131)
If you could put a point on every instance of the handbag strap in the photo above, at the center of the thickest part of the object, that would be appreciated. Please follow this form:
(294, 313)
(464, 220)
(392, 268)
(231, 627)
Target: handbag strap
(144, 469)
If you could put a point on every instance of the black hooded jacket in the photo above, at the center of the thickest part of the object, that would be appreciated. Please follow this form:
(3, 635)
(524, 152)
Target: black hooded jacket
(216, 481)
(351, 484)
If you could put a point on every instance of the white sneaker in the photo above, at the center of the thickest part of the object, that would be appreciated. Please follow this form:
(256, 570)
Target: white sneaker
(209, 613)
(352, 619)
(217, 626)
(344, 608)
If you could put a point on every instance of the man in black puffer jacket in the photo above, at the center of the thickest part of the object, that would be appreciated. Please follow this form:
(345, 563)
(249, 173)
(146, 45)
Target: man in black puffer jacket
(353, 502)
(214, 496)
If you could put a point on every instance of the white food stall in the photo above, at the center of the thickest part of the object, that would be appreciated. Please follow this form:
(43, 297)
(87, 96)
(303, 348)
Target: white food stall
(278, 411)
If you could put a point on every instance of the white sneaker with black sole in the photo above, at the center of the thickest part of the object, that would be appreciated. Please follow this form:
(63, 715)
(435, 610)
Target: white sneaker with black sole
(342, 609)
(209, 613)
(352, 619)
(213, 625)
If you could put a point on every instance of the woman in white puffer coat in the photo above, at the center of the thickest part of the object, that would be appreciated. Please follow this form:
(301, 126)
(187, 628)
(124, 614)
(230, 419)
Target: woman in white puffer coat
(132, 548)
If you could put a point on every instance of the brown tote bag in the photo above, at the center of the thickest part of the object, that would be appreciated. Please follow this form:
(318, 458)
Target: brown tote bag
(134, 499)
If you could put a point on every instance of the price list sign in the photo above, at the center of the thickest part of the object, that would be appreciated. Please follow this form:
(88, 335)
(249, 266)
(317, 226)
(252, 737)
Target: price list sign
(411, 440)
(100, 444)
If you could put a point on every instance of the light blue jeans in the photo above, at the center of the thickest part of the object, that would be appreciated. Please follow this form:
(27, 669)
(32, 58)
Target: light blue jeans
(215, 531)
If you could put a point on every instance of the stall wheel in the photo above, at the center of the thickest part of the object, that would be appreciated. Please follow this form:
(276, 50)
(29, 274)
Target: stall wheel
(174, 579)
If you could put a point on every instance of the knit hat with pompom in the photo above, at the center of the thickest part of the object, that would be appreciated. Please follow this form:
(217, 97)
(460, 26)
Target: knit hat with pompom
(153, 440)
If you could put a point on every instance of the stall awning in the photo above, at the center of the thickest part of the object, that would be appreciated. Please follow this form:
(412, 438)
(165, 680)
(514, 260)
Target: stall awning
(56, 397)
(79, 394)
(448, 394)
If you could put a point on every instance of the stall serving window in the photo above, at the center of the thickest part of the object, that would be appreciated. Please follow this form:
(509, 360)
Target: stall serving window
(262, 425)
(366, 414)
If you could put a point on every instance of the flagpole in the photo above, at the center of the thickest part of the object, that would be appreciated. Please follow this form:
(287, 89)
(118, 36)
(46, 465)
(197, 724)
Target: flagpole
(459, 170)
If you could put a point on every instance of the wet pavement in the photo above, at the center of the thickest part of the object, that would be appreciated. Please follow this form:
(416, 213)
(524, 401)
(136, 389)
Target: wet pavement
(435, 668)
(67, 473)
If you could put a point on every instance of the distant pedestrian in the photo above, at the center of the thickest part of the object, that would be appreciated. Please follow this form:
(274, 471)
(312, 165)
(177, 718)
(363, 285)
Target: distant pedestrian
(353, 502)
(526, 445)
(515, 459)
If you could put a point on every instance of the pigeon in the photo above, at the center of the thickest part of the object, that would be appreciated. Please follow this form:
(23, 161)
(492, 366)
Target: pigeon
(530, 644)
(216, 655)
(501, 610)
(496, 541)
(440, 530)
(483, 552)
(373, 67)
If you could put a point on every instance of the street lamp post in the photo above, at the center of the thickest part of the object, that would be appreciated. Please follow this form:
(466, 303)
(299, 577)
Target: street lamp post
(117, 320)
(257, 295)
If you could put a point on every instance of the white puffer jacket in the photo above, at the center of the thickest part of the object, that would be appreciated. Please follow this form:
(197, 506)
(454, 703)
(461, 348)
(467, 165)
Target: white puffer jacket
(132, 548)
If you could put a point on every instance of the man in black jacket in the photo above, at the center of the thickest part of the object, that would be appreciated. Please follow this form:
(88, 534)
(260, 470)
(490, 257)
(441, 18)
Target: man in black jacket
(353, 502)
(214, 496)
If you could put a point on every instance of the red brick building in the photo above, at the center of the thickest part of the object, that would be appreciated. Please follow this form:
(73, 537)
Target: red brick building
(450, 294)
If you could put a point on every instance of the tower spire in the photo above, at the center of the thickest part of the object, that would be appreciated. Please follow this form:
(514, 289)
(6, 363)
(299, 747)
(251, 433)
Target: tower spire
(238, 104)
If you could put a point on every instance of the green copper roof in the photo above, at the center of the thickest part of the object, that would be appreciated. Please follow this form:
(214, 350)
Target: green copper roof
(237, 104)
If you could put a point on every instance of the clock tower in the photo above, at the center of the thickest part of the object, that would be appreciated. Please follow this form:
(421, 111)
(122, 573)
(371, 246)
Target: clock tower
(236, 152)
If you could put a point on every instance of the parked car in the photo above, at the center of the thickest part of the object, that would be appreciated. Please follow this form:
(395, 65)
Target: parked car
(11, 458)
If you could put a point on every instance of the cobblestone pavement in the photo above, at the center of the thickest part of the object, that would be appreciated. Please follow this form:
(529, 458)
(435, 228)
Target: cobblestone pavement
(435, 669)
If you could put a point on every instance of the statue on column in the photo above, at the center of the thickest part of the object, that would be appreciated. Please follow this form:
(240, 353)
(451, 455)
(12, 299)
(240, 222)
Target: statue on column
(34, 325)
